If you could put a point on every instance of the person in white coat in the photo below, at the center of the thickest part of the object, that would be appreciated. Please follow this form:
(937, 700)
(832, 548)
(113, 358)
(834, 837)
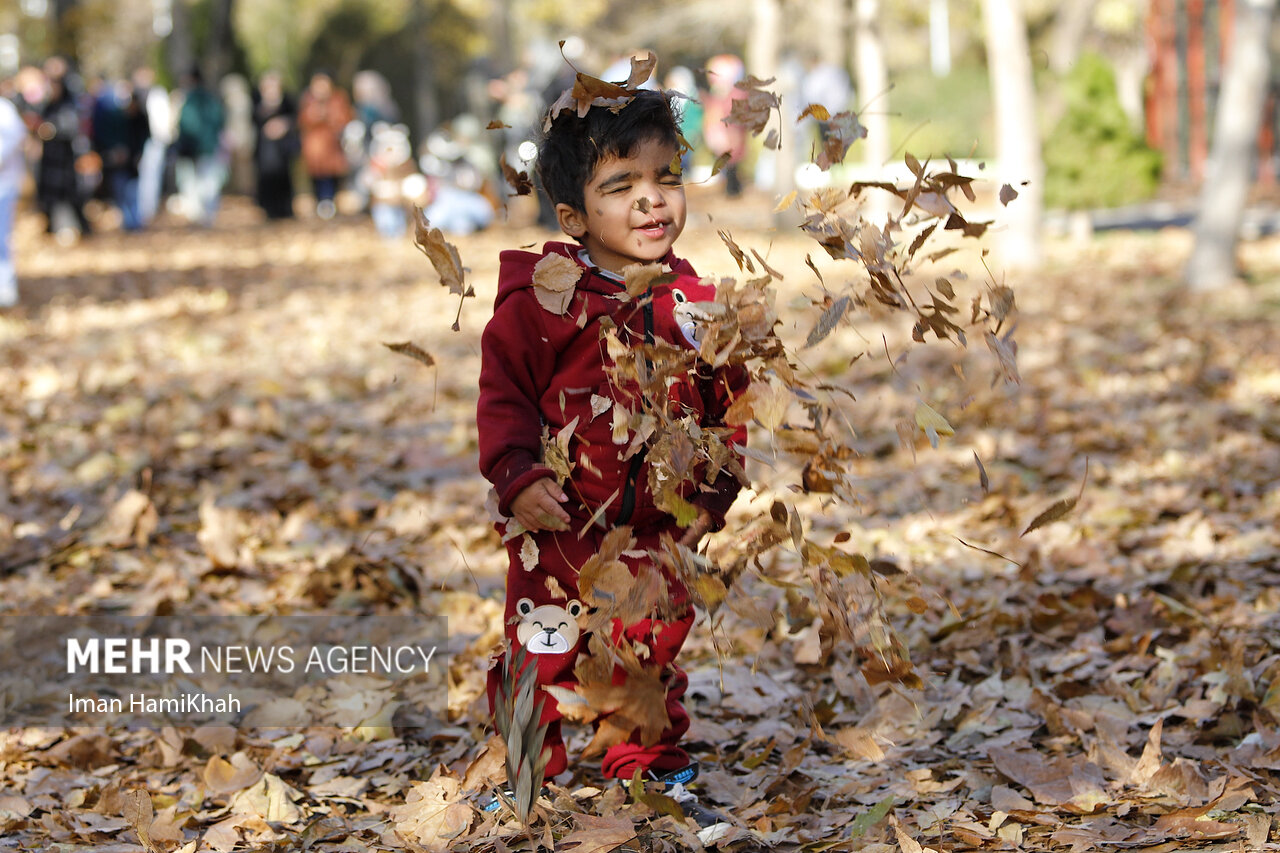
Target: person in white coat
(152, 167)
(13, 172)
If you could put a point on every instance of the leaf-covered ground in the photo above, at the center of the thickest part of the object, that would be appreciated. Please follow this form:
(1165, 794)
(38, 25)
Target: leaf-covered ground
(190, 418)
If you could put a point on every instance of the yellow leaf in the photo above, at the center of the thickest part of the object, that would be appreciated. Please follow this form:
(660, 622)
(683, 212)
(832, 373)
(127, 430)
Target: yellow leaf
(931, 423)
(818, 111)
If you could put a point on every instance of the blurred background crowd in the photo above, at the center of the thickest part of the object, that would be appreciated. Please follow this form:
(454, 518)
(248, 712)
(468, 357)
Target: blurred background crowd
(114, 115)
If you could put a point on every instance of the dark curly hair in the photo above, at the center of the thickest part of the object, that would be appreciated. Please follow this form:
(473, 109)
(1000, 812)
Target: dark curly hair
(570, 149)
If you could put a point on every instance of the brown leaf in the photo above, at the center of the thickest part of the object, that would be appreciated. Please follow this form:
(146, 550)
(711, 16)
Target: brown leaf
(442, 254)
(555, 280)
(518, 180)
(413, 351)
(219, 536)
(982, 474)
(843, 130)
(131, 521)
(830, 318)
(1072, 782)
(140, 814)
(227, 777)
(641, 70)
(1007, 194)
(433, 814)
(597, 833)
(1058, 510)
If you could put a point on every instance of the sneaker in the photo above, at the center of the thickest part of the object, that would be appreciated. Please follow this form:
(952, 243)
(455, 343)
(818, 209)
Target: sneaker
(712, 824)
(495, 802)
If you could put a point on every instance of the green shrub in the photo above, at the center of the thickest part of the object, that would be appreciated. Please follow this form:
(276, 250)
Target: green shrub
(1094, 157)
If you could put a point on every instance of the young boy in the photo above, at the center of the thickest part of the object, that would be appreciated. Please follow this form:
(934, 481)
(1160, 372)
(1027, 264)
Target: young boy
(545, 368)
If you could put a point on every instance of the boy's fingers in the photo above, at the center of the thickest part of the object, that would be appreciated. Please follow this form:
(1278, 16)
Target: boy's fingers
(557, 497)
(555, 492)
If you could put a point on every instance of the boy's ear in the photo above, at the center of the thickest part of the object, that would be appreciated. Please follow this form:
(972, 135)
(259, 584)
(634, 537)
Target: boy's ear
(572, 222)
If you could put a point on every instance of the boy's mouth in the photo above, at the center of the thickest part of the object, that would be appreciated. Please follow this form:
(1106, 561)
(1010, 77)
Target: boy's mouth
(653, 229)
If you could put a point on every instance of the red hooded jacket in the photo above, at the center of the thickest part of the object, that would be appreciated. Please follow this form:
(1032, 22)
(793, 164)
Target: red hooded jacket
(542, 369)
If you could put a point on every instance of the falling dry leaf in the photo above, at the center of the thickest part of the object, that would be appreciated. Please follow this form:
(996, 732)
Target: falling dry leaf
(555, 278)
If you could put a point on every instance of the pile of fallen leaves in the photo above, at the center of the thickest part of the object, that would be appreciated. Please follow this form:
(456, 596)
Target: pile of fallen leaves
(193, 420)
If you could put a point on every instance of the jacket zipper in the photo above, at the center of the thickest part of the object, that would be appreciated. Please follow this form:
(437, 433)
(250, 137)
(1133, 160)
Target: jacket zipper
(628, 506)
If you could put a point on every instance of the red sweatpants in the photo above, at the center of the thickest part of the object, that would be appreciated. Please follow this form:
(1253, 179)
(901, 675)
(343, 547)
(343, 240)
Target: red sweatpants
(546, 626)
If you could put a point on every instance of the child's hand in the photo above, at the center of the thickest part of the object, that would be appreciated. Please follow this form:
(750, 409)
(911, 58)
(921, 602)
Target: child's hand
(538, 506)
(694, 532)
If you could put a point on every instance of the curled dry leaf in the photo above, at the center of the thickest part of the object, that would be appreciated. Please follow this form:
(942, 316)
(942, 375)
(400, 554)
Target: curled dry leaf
(442, 254)
(555, 280)
(413, 351)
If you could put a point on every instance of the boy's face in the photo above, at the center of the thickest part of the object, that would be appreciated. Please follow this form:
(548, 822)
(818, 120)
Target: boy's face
(635, 208)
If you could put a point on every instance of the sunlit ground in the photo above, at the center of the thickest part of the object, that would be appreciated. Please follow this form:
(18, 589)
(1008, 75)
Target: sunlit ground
(244, 369)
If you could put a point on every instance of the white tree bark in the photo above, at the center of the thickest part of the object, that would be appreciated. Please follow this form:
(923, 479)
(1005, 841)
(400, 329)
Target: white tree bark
(871, 79)
(764, 60)
(1232, 159)
(939, 38)
(1019, 160)
(1070, 26)
(827, 19)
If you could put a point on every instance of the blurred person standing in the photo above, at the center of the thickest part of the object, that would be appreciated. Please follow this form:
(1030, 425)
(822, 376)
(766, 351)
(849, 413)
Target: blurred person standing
(13, 171)
(151, 166)
(238, 135)
(121, 130)
(724, 72)
(324, 113)
(681, 80)
(374, 106)
(58, 186)
(827, 84)
(201, 168)
(276, 120)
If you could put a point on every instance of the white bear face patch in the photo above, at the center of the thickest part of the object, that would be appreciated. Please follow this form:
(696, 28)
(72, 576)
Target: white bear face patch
(548, 629)
(686, 318)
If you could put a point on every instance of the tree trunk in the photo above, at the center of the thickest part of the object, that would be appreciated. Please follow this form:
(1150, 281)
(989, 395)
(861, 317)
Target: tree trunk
(939, 38)
(426, 107)
(220, 51)
(1070, 26)
(871, 78)
(1232, 159)
(180, 50)
(827, 20)
(764, 60)
(1020, 162)
(62, 26)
